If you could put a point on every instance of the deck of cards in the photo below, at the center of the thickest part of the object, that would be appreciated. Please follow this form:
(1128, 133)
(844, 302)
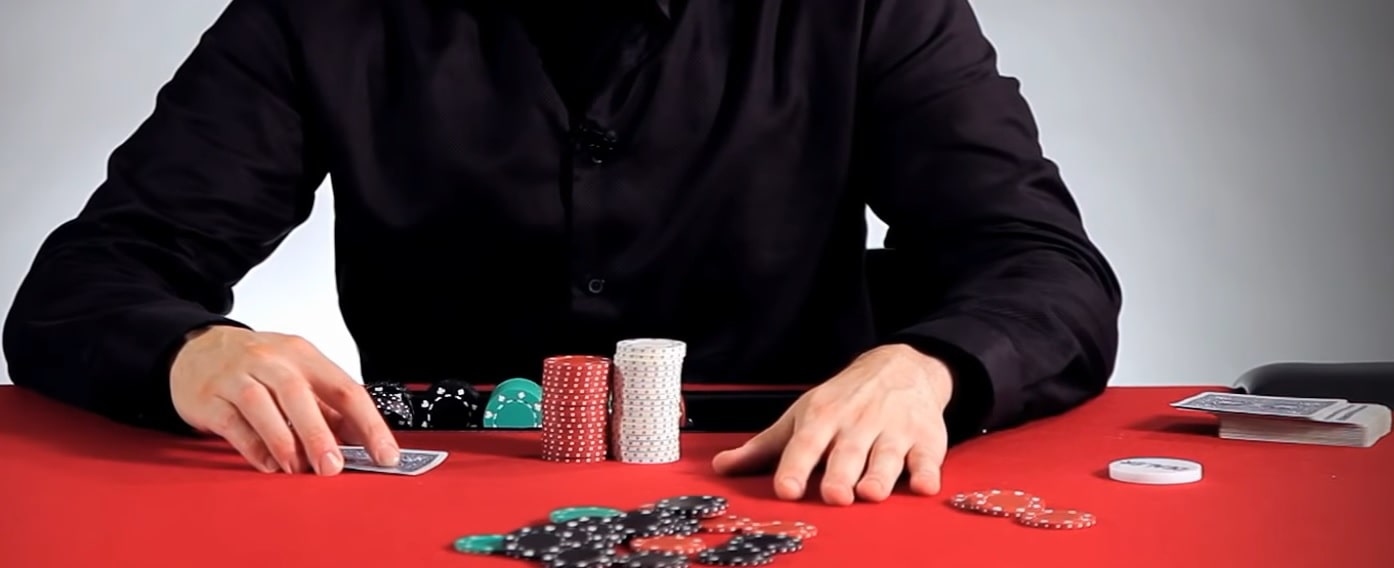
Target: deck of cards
(412, 462)
(1322, 421)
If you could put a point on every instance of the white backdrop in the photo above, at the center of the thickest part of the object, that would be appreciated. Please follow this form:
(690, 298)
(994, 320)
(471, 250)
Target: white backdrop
(1230, 157)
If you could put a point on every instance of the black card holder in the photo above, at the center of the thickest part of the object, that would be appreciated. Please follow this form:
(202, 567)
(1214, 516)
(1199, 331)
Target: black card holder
(1371, 382)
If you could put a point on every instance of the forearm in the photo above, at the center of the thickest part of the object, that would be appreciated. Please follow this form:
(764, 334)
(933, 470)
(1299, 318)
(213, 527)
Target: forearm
(204, 190)
(95, 328)
(1015, 296)
(1025, 337)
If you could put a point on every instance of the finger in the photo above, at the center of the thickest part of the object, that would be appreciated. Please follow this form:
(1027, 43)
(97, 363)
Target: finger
(884, 467)
(299, 404)
(805, 449)
(760, 453)
(343, 429)
(355, 407)
(259, 409)
(227, 422)
(846, 462)
(924, 462)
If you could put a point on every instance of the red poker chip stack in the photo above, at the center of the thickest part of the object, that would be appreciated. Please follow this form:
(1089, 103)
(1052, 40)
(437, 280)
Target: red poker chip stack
(575, 408)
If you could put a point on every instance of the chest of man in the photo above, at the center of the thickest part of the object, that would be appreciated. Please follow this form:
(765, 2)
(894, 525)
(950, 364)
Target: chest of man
(706, 183)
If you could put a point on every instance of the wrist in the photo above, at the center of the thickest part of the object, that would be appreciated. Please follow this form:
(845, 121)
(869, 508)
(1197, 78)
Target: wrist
(922, 367)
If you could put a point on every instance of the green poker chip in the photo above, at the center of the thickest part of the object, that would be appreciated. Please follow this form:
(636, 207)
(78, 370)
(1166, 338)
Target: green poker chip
(572, 513)
(480, 544)
(519, 384)
(513, 408)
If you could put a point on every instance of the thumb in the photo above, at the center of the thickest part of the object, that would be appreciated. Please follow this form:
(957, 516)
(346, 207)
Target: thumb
(757, 454)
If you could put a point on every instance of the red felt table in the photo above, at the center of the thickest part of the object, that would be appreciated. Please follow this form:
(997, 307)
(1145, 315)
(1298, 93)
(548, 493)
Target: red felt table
(78, 491)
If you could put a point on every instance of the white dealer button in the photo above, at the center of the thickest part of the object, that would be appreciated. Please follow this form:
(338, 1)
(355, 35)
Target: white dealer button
(1155, 471)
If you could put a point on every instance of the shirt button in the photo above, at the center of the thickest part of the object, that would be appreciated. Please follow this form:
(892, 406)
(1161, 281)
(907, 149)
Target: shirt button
(595, 285)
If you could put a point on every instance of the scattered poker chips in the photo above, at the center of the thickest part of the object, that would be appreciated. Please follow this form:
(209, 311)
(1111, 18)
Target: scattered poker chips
(734, 556)
(565, 514)
(699, 506)
(725, 524)
(675, 532)
(1001, 502)
(480, 544)
(796, 529)
(575, 408)
(684, 545)
(583, 557)
(768, 542)
(1028, 509)
(1057, 519)
(652, 559)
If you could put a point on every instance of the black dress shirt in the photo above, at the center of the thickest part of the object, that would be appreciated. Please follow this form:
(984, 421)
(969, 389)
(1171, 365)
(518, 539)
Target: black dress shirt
(512, 185)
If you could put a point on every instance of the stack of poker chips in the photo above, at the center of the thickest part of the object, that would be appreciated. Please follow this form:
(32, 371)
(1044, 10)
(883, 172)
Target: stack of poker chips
(645, 425)
(575, 408)
(448, 404)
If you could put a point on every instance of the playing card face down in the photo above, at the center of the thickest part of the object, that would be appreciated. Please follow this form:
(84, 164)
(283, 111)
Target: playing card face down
(412, 462)
(1260, 405)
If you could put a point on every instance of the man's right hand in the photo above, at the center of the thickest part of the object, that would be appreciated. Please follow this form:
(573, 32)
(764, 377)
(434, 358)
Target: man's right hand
(277, 400)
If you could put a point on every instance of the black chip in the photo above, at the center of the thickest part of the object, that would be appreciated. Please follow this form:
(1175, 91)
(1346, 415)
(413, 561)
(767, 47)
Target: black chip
(583, 558)
(386, 387)
(452, 405)
(699, 506)
(644, 523)
(652, 559)
(770, 543)
(421, 402)
(591, 524)
(683, 526)
(542, 542)
(603, 531)
(393, 403)
(734, 556)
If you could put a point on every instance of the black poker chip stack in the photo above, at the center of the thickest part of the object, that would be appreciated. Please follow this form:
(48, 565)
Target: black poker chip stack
(448, 404)
(694, 506)
(451, 405)
(394, 404)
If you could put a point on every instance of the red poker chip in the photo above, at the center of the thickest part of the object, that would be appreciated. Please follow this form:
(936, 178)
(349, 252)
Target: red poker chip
(796, 529)
(1005, 503)
(574, 419)
(575, 460)
(726, 524)
(575, 440)
(966, 501)
(685, 545)
(574, 446)
(1059, 519)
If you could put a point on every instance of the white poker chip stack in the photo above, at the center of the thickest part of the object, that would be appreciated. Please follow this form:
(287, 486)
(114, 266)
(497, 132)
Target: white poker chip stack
(645, 424)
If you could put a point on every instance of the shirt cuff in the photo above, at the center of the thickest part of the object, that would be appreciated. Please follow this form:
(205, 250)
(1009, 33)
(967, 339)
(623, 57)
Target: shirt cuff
(983, 361)
(143, 345)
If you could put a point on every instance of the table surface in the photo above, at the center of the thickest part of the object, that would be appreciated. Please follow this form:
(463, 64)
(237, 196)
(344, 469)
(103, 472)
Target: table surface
(76, 490)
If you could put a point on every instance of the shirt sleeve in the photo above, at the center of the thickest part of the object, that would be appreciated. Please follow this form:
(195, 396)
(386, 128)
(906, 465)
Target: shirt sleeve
(1015, 297)
(200, 193)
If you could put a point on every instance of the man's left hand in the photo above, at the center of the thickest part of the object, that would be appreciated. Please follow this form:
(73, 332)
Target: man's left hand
(879, 418)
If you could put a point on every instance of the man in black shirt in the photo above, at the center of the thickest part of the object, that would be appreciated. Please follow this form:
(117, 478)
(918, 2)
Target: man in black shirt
(520, 179)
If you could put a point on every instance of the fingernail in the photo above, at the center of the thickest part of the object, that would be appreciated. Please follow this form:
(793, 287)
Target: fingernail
(388, 454)
(793, 484)
(330, 462)
(271, 465)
